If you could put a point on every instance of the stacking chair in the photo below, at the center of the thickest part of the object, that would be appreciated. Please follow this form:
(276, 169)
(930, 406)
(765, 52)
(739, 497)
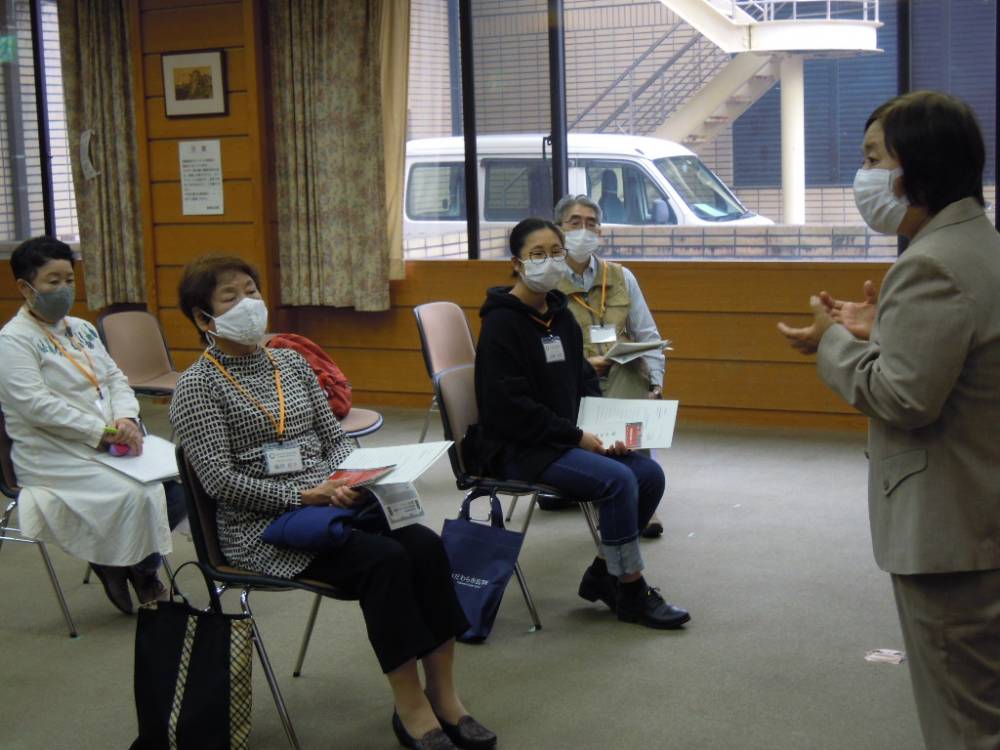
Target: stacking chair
(455, 390)
(136, 343)
(360, 422)
(445, 340)
(201, 514)
(8, 533)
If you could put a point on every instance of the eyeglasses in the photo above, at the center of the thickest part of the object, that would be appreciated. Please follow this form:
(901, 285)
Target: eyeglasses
(540, 256)
(578, 222)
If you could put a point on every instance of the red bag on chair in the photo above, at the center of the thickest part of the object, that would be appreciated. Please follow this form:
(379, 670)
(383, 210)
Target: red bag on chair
(333, 382)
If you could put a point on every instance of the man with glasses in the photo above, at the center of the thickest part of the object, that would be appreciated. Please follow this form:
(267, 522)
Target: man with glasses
(606, 301)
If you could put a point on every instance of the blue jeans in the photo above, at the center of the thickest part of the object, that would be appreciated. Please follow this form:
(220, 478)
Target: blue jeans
(627, 490)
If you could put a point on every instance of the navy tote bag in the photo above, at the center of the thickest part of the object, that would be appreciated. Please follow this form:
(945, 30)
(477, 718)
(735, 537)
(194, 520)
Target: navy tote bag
(482, 560)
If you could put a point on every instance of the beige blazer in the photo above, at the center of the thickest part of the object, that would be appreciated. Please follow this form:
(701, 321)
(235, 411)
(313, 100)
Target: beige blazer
(929, 379)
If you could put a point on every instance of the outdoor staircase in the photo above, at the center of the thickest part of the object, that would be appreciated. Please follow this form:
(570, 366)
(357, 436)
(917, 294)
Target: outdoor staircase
(759, 33)
(689, 87)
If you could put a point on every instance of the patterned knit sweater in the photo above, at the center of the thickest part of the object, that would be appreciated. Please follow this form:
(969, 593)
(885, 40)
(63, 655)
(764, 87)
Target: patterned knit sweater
(223, 435)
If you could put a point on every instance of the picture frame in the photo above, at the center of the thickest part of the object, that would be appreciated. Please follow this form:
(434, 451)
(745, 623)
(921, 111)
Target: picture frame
(194, 83)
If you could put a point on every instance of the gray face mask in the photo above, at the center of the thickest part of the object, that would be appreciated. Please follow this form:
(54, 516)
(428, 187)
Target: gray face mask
(53, 305)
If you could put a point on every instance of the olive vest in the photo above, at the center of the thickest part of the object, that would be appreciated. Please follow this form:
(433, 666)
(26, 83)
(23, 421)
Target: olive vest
(622, 381)
(616, 305)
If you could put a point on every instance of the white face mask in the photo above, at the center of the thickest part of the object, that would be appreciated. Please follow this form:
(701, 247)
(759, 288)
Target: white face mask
(876, 201)
(243, 323)
(544, 276)
(581, 244)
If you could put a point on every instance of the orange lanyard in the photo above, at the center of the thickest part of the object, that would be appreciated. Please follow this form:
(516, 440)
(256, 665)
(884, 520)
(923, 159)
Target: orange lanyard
(546, 323)
(578, 297)
(279, 423)
(90, 374)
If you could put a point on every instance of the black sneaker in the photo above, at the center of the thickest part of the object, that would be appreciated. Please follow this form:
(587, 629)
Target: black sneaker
(648, 608)
(603, 587)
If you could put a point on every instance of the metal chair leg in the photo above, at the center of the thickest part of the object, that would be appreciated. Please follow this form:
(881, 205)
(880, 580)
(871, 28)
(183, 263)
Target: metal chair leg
(5, 525)
(58, 589)
(536, 623)
(589, 514)
(427, 417)
(272, 681)
(510, 508)
(307, 635)
(531, 511)
(86, 574)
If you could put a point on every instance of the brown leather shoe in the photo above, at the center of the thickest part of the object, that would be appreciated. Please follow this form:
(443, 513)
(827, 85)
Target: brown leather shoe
(115, 582)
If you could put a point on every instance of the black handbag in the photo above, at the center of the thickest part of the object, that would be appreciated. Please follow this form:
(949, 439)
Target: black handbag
(192, 675)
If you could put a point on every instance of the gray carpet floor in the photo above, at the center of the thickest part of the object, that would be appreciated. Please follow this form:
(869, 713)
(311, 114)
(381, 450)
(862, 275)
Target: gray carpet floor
(766, 543)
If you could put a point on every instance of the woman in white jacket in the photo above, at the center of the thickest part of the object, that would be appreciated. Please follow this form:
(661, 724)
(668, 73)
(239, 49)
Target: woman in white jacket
(64, 400)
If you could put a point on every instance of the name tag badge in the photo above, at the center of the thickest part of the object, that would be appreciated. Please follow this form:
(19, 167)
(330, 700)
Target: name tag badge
(282, 458)
(553, 349)
(603, 335)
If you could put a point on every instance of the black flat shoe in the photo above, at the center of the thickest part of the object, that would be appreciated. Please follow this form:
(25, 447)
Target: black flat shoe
(653, 530)
(115, 582)
(594, 587)
(435, 739)
(469, 734)
(648, 608)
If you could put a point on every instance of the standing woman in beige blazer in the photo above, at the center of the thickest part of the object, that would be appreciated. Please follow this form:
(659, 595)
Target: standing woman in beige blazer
(924, 364)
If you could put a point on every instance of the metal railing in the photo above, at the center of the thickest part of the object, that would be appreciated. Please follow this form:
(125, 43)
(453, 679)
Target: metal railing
(793, 10)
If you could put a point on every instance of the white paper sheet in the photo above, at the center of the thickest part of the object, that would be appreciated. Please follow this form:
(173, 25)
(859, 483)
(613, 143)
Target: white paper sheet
(639, 423)
(157, 463)
(201, 178)
(625, 351)
(410, 460)
(400, 503)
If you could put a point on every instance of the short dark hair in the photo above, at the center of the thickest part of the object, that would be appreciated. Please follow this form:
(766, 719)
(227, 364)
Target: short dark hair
(32, 254)
(519, 234)
(937, 141)
(200, 278)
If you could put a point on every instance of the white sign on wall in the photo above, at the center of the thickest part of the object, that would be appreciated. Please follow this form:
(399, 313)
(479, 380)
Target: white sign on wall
(201, 178)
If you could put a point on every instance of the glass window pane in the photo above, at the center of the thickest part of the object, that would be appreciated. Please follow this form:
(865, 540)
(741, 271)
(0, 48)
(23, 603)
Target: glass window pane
(21, 213)
(436, 191)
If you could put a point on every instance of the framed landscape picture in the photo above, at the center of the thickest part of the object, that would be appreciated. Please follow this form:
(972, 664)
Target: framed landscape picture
(194, 83)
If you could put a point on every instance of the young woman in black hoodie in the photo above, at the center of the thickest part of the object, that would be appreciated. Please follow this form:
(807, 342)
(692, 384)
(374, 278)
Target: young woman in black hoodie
(530, 377)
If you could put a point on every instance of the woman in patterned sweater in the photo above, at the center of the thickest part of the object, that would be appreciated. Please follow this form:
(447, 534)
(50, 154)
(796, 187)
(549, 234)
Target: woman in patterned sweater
(261, 437)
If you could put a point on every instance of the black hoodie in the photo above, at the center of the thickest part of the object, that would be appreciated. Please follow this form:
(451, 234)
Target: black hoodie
(527, 405)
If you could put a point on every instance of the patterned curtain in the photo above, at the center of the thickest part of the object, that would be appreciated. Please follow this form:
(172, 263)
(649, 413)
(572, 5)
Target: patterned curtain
(97, 80)
(330, 151)
(395, 58)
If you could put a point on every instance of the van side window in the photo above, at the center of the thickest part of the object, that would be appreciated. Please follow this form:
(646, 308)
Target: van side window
(626, 195)
(436, 191)
(516, 188)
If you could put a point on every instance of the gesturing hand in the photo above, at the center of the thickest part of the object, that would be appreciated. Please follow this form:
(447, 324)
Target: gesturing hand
(857, 317)
(807, 338)
(331, 492)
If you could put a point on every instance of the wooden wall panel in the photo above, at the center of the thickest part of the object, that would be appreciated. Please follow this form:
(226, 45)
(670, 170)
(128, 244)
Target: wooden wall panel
(194, 27)
(763, 286)
(233, 123)
(178, 244)
(237, 198)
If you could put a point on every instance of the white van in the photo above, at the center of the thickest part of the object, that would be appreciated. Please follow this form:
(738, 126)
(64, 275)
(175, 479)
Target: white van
(635, 180)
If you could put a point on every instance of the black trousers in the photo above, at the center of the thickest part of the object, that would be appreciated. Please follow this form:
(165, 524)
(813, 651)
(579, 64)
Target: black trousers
(403, 580)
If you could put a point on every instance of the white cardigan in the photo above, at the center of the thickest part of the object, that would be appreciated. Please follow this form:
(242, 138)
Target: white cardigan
(56, 420)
